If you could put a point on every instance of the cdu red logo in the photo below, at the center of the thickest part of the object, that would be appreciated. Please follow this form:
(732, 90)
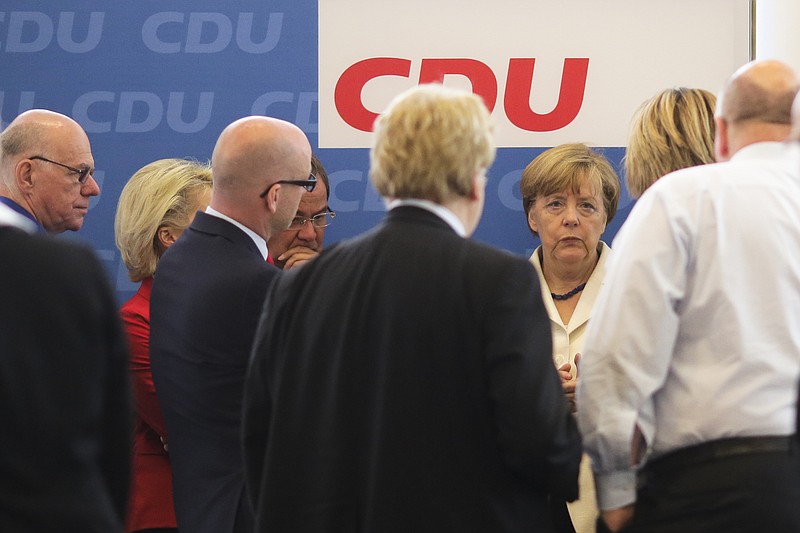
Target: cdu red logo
(516, 100)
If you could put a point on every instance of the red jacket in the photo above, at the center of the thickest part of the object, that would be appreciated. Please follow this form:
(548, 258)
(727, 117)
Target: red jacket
(150, 504)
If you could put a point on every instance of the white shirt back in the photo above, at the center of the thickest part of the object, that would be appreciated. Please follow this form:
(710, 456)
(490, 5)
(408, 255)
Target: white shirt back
(696, 333)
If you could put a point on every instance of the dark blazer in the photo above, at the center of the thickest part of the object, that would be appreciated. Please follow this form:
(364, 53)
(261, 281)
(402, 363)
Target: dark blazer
(150, 504)
(403, 381)
(207, 295)
(65, 406)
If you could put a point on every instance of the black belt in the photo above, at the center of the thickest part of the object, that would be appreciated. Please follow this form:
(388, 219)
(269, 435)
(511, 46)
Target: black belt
(710, 451)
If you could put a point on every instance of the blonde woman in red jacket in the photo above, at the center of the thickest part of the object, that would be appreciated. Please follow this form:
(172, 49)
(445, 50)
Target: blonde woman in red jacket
(156, 205)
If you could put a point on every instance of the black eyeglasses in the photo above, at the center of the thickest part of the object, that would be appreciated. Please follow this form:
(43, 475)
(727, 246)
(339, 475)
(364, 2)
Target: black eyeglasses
(83, 173)
(319, 220)
(308, 184)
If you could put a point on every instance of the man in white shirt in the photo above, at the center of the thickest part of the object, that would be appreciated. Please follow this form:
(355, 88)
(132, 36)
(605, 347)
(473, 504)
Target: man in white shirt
(692, 358)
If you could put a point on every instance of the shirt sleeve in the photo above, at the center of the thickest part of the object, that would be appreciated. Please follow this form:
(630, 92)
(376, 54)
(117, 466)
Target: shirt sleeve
(629, 342)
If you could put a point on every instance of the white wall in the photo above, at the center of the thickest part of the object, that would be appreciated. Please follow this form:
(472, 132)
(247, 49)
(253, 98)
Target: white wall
(777, 35)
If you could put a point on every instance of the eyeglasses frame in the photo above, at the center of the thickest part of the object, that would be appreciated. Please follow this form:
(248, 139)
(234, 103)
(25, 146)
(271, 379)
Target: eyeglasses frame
(328, 212)
(83, 173)
(308, 184)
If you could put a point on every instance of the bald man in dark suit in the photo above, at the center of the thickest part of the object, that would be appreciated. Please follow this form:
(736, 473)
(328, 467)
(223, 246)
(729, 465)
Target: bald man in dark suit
(206, 299)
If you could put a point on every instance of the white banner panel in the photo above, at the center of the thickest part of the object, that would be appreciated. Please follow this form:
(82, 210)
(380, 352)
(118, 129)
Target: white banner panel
(552, 72)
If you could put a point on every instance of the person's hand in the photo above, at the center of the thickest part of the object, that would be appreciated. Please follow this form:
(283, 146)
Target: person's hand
(616, 519)
(568, 382)
(164, 443)
(297, 256)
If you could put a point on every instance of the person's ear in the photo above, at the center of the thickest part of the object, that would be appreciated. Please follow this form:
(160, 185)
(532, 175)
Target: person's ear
(721, 142)
(23, 175)
(532, 220)
(271, 198)
(166, 236)
(478, 188)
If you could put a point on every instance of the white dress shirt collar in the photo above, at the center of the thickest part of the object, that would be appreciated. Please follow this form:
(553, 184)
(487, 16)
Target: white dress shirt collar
(8, 217)
(439, 210)
(763, 150)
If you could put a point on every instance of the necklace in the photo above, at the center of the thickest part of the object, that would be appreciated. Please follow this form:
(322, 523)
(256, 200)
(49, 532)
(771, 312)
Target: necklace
(568, 295)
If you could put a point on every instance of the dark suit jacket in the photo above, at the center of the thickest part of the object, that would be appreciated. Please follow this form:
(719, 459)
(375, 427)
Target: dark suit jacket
(65, 408)
(150, 505)
(403, 381)
(207, 295)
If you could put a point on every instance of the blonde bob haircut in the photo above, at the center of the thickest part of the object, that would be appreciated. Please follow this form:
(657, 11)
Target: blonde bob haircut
(166, 192)
(430, 143)
(673, 130)
(565, 168)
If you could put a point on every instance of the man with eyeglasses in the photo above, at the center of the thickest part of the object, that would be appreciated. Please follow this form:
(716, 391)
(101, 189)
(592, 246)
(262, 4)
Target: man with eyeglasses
(302, 242)
(46, 170)
(206, 299)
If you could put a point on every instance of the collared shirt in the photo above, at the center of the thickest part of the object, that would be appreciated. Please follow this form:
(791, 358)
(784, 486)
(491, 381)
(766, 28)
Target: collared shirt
(567, 342)
(568, 338)
(261, 243)
(437, 209)
(23, 213)
(695, 334)
(9, 217)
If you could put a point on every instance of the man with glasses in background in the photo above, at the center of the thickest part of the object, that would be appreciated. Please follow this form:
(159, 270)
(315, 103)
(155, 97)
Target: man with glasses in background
(46, 170)
(206, 301)
(303, 240)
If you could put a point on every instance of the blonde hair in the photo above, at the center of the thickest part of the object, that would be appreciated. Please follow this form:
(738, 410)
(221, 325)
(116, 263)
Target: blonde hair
(673, 130)
(430, 143)
(565, 167)
(166, 192)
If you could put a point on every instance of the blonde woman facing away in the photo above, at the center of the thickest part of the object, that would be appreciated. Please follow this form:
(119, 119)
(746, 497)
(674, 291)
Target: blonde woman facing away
(673, 130)
(156, 205)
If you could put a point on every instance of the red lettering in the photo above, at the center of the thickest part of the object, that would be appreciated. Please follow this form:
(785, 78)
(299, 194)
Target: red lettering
(347, 94)
(479, 74)
(519, 84)
(570, 96)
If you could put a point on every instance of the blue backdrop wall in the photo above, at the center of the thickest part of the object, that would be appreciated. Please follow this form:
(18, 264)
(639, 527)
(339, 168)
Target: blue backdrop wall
(149, 80)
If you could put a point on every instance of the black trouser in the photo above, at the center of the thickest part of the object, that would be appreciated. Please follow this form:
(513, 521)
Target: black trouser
(736, 485)
(560, 513)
